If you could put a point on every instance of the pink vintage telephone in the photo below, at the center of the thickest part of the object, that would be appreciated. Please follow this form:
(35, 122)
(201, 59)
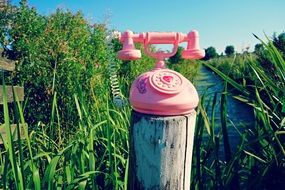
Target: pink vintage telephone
(162, 91)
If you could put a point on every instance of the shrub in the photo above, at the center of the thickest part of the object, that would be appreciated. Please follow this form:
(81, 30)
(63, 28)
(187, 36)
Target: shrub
(264, 57)
(210, 53)
(279, 42)
(258, 162)
(230, 50)
(177, 58)
(57, 53)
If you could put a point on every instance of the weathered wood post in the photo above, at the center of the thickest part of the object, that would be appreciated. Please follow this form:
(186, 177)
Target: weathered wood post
(161, 151)
(6, 66)
(163, 117)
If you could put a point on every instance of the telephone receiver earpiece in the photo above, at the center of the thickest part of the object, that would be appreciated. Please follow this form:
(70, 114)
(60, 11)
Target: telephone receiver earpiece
(193, 50)
(129, 52)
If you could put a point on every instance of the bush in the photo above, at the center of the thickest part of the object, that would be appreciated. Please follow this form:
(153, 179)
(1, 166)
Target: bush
(210, 53)
(56, 54)
(258, 162)
(237, 67)
(230, 50)
(264, 57)
(279, 42)
(177, 58)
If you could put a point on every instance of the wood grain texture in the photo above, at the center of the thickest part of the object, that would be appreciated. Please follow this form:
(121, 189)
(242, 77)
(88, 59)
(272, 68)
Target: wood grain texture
(7, 65)
(13, 130)
(161, 151)
(9, 89)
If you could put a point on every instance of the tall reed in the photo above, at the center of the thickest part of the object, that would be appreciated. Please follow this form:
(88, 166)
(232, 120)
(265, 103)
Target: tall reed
(259, 160)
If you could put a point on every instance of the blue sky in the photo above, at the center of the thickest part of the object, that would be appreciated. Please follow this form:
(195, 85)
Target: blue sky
(219, 22)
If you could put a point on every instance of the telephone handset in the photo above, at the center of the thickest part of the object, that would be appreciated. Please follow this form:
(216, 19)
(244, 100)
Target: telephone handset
(129, 52)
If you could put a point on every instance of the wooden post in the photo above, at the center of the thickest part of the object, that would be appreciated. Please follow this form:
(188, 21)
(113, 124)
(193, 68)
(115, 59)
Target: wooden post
(161, 151)
(19, 91)
(7, 65)
(13, 130)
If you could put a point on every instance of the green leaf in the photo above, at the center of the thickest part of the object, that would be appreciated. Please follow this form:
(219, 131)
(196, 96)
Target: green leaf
(50, 172)
(254, 156)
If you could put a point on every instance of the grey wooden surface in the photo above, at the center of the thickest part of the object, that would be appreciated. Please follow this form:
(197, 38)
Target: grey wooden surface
(19, 91)
(13, 130)
(161, 151)
(8, 65)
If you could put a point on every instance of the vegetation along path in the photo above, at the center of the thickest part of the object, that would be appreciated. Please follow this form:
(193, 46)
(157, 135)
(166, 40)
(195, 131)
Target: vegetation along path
(239, 115)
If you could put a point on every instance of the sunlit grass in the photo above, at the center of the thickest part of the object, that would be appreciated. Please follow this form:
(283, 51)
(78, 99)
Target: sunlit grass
(258, 161)
(94, 153)
(95, 157)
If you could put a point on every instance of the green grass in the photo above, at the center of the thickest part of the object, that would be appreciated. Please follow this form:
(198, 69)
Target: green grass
(93, 154)
(258, 161)
(90, 155)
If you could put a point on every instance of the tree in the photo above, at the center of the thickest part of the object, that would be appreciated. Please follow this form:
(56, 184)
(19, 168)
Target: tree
(210, 53)
(230, 50)
(177, 58)
(6, 16)
(279, 42)
(258, 49)
(57, 55)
